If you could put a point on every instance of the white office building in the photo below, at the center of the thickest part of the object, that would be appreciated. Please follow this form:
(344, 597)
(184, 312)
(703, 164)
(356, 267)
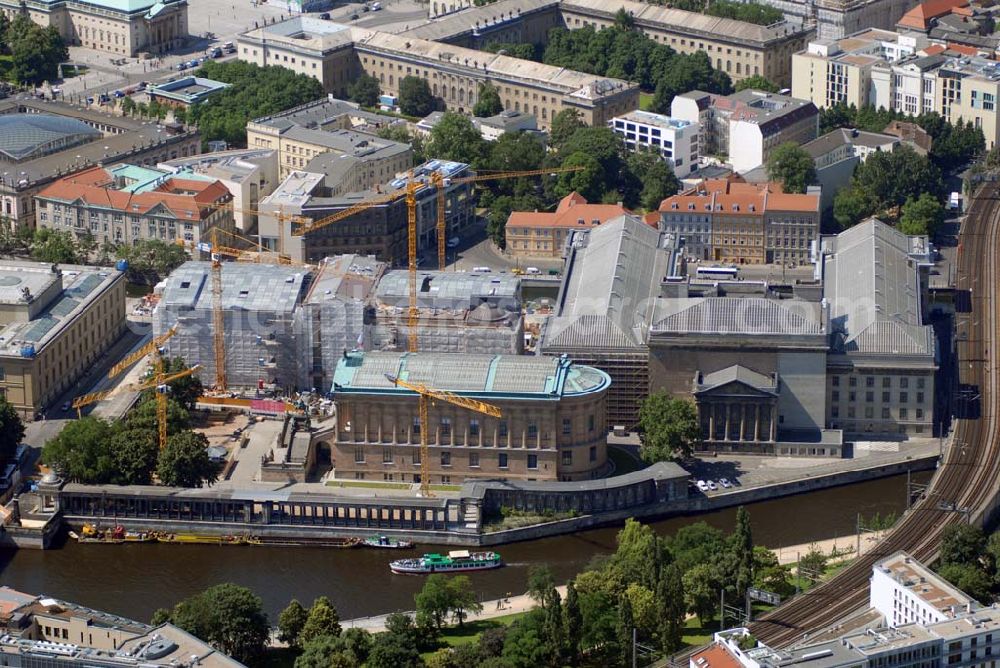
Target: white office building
(675, 139)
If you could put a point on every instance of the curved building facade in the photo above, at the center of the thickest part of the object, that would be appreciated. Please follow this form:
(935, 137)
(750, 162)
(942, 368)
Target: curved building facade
(552, 424)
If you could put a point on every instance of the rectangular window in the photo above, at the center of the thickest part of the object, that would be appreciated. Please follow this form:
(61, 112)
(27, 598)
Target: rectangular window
(567, 428)
(473, 427)
(886, 397)
(904, 383)
(446, 426)
(502, 429)
(903, 414)
(903, 397)
(474, 460)
(869, 396)
(359, 455)
(532, 461)
(502, 460)
(593, 453)
(590, 423)
(532, 430)
(869, 381)
(835, 381)
(835, 395)
(445, 459)
(416, 426)
(853, 381)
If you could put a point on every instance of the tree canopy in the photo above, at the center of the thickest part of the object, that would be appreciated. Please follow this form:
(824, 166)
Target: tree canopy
(668, 426)
(364, 90)
(255, 91)
(415, 98)
(185, 463)
(35, 52)
(790, 164)
(489, 103)
(11, 430)
(921, 215)
(756, 82)
(228, 616)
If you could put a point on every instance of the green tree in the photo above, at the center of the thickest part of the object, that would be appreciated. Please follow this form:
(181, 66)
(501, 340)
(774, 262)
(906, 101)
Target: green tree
(812, 564)
(150, 260)
(588, 180)
(455, 138)
(696, 543)
(185, 463)
(654, 177)
(756, 82)
(852, 205)
(415, 98)
(327, 652)
(525, 645)
(322, 620)
(741, 544)
(364, 90)
(750, 12)
(790, 164)
(290, 623)
(390, 650)
(11, 430)
(564, 125)
(969, 578)
(623, 629)
(523, 51)
(701, 591)
(670, 596)
(54, 246)
(962, 544)
(80, 452)
(514, 152)
(573, 621)
(228, 616)
(890, 178)
(434, 599)
(35, 51)
(185, 391)
(134, 454)
(160, 616)
(540, 581)
(463, 598)
(921, 215)
(642, 601)
(668, 427)
(488, 102)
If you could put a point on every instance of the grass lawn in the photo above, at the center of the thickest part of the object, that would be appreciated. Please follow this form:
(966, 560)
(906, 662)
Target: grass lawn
(645, 100)
(453, 636)
(446, 488)
(368, 485)
(624, 461)
(696, 635)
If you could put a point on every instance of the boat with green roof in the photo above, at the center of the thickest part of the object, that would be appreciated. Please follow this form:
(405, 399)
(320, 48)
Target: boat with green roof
(456, 561)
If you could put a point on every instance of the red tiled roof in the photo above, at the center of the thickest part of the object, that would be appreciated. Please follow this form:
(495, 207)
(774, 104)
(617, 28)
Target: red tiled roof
(573, 211)
(920, 16)
(716, 656)
(722, 196)
(652, 219)
(186, 199)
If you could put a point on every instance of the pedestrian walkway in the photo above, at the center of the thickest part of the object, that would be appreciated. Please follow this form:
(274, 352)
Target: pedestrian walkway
(843, 545)
(500, 607)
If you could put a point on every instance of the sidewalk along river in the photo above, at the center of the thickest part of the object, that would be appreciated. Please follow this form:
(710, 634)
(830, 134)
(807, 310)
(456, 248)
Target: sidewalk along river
(134, 580)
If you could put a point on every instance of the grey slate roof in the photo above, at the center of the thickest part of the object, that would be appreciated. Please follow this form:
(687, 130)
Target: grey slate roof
(609, 289)
(245, 287)
(739, 374)
(873, 287)
(736, 315)
(839, 137)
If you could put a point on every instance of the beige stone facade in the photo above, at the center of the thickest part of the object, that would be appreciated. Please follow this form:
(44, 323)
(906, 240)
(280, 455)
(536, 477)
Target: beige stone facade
(548, 430)
(53, 333)
(127, 29)
(336, 54)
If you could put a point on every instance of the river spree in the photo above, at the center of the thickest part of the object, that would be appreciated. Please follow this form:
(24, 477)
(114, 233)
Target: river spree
(134, 580)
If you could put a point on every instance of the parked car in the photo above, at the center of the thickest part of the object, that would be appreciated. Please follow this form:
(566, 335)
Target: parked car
(229, 47)
(325, 16)
(725, 483)
(119, 94)
(702, 485)
(533, 271)
(376, 6)
(711, 486)
(182, 66)
(194, 63)
(215, 53)
(354, 17)
(484, 270)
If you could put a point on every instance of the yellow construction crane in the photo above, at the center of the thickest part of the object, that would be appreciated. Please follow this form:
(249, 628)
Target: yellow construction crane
(410, 194)
(427, 395)
(218, 317)
(153, 347)
(157, 383)
(440, 183)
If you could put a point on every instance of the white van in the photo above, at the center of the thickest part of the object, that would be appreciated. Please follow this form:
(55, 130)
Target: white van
(532, 270)
(484, 270)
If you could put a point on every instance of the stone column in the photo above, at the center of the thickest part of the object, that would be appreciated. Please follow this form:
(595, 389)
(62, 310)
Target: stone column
(743, 419)
(774, 423)
(711, 421)
(725, 423)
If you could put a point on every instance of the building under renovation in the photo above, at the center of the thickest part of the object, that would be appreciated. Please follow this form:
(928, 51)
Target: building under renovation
(335, 316)
(258, 303)
(459, 312)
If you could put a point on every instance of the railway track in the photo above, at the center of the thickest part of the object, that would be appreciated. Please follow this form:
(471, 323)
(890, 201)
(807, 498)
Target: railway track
(969, 472)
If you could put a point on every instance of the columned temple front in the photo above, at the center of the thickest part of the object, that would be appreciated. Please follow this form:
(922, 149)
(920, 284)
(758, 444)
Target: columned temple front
(737, 409)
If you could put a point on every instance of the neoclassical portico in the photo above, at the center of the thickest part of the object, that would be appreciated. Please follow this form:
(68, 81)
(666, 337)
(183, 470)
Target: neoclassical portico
(737, 406)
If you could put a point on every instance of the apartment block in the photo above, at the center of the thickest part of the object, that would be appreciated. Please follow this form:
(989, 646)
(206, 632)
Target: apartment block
(902, 72)
(675, 140)
(124, 28)
(55, 322)
(552, 425)
(746, 126)
(743, 223)
(838, 152)
(543, 234)
(128, 203)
